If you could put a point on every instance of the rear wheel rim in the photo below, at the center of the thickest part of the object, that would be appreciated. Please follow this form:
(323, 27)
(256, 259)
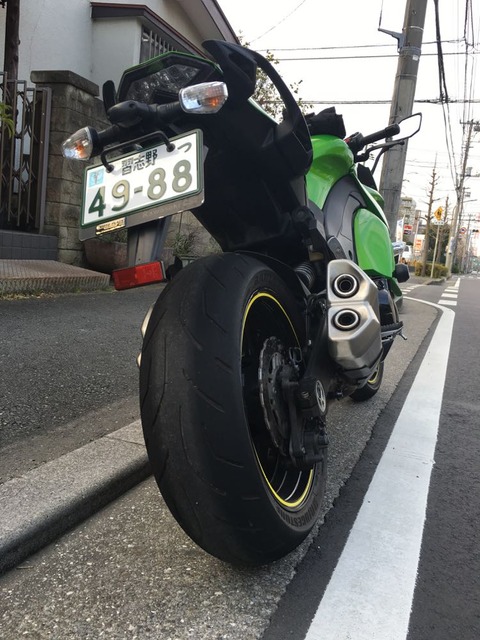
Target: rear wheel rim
(375, 379)
(265, 316)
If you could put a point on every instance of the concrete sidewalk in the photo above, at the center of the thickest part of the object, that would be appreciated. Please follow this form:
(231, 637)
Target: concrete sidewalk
(44, 503)
(47, 276)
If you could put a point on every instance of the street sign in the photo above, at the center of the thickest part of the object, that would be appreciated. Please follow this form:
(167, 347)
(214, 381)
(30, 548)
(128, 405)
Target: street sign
(439, 223)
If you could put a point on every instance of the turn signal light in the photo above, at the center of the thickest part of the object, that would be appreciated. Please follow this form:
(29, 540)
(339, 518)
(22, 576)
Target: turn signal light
(79, 146)
(208, 97)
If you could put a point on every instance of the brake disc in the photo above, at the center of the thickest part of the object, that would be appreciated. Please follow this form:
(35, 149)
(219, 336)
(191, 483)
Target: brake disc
(275, 409)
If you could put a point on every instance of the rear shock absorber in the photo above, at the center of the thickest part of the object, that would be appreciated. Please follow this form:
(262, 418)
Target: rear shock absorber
(306, 273)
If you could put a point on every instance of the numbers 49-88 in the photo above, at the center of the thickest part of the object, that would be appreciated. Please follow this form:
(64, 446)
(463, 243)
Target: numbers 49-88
(181, 180)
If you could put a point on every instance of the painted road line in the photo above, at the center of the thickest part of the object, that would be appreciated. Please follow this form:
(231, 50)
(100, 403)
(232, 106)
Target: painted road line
(450, 303)
(371, 590)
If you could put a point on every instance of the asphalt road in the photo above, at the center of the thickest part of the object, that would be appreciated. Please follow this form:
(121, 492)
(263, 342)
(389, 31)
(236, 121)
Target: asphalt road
(69, 373)
(447, 596)
(129, 572)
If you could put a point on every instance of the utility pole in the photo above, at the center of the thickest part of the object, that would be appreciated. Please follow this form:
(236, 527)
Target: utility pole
(409, 50)
(458, 210)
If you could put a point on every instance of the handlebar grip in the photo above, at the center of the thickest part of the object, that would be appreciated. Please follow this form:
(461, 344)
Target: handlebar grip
(392, 130)
(108, 136)
(389, 131)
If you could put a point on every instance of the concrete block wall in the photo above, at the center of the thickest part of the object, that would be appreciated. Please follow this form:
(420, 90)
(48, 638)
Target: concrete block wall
(75, 104)
(16, 245)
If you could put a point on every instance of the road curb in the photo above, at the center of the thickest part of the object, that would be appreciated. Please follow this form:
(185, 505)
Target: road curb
(44, 503)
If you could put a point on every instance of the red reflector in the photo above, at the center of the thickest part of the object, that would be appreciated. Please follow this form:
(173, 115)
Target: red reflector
(136, 276)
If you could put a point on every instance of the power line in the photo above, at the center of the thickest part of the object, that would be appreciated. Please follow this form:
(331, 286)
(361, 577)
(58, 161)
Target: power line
(365, 57)
(354, 46)
(280, 21)
(444, 99)
(360, 102)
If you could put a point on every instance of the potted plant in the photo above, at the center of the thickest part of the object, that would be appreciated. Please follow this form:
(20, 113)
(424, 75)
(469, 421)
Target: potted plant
(107, 252)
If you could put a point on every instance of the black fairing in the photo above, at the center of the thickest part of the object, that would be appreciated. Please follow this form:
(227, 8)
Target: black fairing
(255, 168)
(291, 137)
(388, 310)
(339, 210)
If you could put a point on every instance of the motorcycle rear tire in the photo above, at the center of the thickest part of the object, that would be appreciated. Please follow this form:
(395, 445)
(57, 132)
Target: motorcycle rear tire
(220, 474)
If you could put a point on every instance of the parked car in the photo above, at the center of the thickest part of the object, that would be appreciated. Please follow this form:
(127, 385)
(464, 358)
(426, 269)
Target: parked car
(407, 255)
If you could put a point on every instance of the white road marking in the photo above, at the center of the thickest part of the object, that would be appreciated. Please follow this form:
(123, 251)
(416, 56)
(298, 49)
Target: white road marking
(370, 594)
(450, 303)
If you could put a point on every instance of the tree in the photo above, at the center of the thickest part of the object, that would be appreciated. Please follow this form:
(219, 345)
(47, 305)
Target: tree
(267, 95)
(431, 200)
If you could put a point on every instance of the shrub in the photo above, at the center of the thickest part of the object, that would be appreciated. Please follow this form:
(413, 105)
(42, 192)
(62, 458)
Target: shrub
(439, 271)
(184, 243)
(6, 119)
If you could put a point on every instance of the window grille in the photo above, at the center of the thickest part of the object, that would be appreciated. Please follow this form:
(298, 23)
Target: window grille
(153, 44)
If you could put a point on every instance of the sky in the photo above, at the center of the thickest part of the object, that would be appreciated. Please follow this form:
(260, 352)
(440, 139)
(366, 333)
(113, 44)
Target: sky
(326, 31)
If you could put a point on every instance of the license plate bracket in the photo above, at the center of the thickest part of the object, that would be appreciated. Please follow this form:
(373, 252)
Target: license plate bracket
(144, 185)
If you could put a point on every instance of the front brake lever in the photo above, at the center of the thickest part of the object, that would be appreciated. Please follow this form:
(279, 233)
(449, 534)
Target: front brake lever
(362, 157)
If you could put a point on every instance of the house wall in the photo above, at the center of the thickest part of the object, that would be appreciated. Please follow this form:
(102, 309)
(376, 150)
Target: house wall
(53, 34)
(61, 47)
(60, 34)
(115, 47)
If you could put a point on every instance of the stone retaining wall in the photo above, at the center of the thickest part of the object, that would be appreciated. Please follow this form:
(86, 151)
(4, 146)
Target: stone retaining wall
(75, 104)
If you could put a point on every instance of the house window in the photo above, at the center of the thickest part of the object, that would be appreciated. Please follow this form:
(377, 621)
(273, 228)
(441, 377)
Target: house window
(157, 35)
(153, 44)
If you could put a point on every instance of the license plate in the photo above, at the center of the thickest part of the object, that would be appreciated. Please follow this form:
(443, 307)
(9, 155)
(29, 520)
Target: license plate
(144, 185)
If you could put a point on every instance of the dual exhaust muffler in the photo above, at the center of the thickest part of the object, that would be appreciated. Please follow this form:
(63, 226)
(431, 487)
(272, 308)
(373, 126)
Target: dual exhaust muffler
(354, 331)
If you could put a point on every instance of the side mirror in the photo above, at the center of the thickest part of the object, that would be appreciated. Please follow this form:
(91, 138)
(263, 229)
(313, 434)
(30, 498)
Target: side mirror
(409, 126)
(108, 95)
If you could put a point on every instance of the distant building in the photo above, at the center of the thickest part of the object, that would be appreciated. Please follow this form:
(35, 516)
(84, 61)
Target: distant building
(407, 209)
(406, 219)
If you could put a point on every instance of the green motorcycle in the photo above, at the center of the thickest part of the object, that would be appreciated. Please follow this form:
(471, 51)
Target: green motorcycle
(245, 349)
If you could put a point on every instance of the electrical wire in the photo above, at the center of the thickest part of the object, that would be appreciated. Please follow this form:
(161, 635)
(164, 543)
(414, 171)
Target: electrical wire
(355, 46)
(356, 57)
(280, 21)
(433, 101)
(443, 92)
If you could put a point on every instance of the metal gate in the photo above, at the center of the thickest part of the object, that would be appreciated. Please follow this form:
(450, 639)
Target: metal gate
(24, 156)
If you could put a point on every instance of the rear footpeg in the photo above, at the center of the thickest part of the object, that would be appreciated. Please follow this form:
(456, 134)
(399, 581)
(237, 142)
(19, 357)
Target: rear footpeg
(354, 332)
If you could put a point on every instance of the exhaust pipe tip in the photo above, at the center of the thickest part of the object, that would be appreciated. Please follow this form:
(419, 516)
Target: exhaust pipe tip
(345, 285)
(346, 320)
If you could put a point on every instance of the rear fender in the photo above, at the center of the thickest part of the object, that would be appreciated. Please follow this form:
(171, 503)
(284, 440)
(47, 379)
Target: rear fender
(286, 273)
